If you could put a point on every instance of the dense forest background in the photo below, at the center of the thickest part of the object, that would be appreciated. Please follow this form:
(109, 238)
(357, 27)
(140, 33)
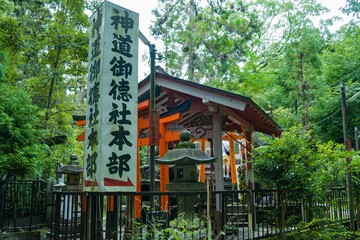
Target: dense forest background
(268, 50)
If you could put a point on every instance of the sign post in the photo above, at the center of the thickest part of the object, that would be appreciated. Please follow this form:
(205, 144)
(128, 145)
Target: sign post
(112, 93)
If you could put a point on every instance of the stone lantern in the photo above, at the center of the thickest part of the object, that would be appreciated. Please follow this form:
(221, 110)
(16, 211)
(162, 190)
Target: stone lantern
(72, 174)
(184, 160)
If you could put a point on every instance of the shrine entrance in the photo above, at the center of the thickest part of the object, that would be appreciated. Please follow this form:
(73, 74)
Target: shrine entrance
(212, 116)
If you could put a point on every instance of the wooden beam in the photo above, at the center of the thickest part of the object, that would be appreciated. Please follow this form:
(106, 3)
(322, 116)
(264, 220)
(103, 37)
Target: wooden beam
(235, 117)
(143, 142)
(143, 123)
(81, 137)
(172, 136)
(80, 122)
(201, 93)
(170, 118)
(144, 105)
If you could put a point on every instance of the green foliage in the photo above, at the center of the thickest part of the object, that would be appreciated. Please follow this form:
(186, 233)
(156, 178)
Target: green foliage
(179, 228)
(143, 155)
(207, 41)
(355, 174)
(341, 64)
(317, 229)
(299, 165)
(43, 53)
(352, 8)
(21, 148)
(286, 163)
(328, 113)
(330, 165)
(355, 171)
(268, 50)
(341, 56)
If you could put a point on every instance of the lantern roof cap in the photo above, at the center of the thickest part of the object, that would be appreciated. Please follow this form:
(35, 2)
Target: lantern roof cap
(185, 154)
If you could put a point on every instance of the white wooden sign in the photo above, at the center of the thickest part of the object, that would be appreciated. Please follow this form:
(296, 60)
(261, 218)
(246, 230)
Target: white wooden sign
(112, 91)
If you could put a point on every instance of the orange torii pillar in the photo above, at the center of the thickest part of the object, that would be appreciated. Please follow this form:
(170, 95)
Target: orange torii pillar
(164, 138)
(202, 166)
(137, 198)
(163, 148)
(234, 178)
(142, 123)
(230, 137)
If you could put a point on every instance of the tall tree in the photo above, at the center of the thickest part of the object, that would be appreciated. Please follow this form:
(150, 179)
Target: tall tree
(302, 67)
(284, 71)
(21, 148)
(44, 48)
(341, 64)
(208, 40)
(266, 49)
(60, 53)
(352, 8)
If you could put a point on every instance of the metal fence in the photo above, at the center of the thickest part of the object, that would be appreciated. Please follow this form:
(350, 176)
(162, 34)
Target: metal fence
(22, 205)
(187, 215)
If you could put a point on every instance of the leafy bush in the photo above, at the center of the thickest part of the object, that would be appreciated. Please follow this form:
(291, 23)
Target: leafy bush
(317, 230)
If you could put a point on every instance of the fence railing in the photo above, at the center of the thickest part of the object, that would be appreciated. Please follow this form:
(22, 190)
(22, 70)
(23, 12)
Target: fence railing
(189, 215)
(22, 205)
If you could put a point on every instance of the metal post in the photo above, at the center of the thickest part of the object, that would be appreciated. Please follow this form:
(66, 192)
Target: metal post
(152, 114)
(153, 120)
(347, 144)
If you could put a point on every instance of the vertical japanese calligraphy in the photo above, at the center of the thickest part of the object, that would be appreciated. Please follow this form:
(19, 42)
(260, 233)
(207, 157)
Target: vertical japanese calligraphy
(111, 115)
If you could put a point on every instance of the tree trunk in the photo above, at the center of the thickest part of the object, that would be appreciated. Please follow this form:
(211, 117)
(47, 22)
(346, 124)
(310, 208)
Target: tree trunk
(191, 46)
(302, 90)
(282, 202)
(51, 89)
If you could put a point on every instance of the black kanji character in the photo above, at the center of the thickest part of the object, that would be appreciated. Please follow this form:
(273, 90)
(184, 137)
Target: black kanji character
(114, 114)
(118, 164)
(93, 141)
(93, 116)
(91, 164)
(124, 21)
(120, 91)
(95, 48)
(120, 138)
(122, 45)
(94, 94)
(96, 24)
(94, 70)
(124, 90)
(120, 67)
(123, 115)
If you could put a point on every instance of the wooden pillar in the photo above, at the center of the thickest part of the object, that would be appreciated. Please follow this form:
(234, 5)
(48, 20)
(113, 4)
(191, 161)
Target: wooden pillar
(249, 168)
(163, 148)
(234, 178)
(219, 182)
(202, 167)
(164, 169)
(219, 174)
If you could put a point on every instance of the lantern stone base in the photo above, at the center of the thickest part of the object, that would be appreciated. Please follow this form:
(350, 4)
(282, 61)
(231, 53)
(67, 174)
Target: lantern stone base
(186, 213)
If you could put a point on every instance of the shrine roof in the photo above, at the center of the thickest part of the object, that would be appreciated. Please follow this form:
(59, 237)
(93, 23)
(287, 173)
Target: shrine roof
(238, 110)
